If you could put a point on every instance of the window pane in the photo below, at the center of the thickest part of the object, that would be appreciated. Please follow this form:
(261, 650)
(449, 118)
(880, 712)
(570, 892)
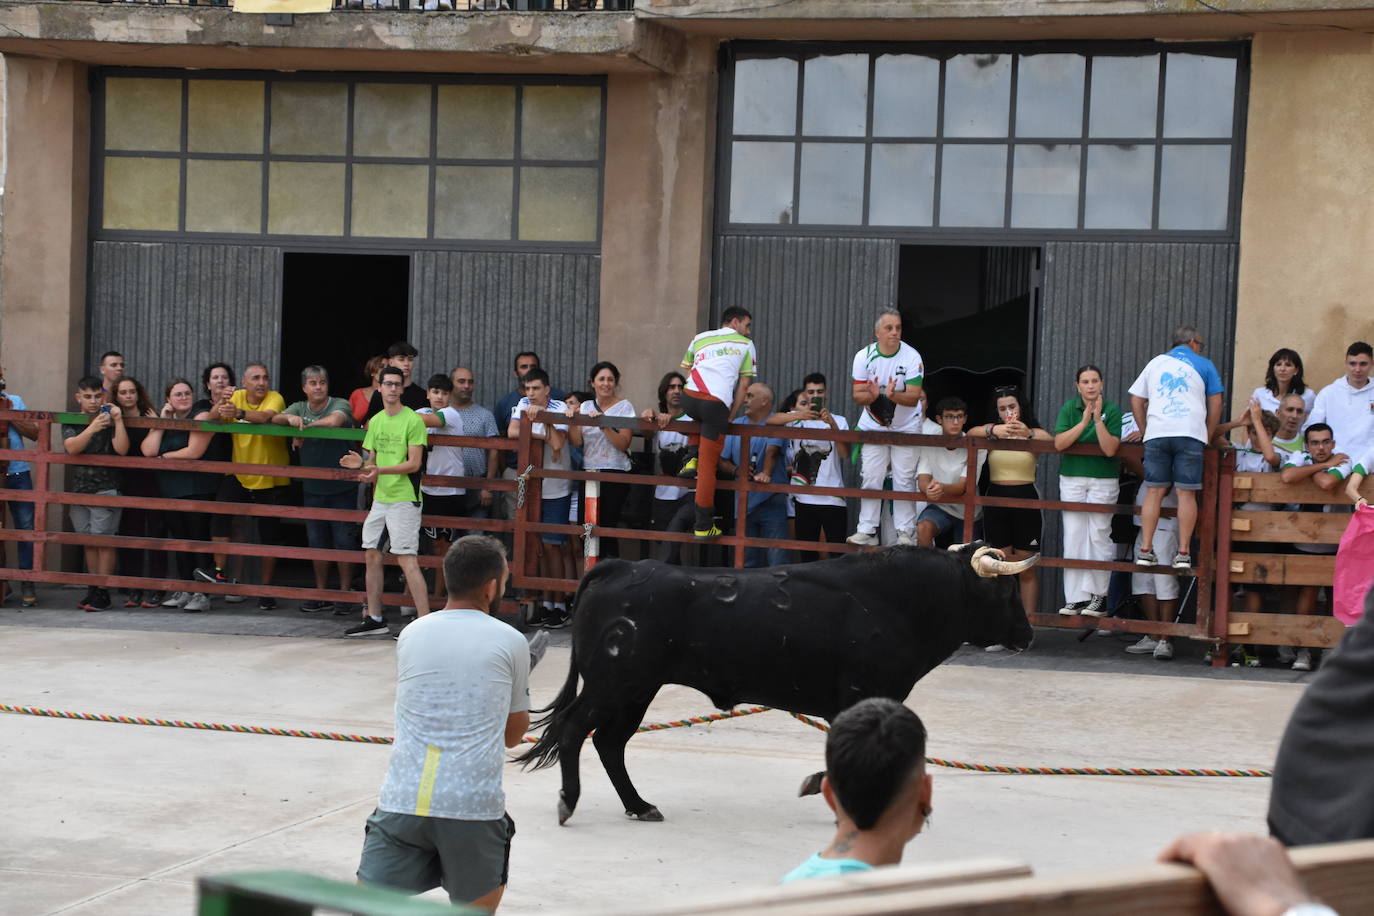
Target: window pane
(1120, 187)
(761, 182)
(309, 119)
(224, 116)
(390, 201)
(1125, 96)
(1049, 95)
(832, 184)
(305, 198)
(977, 95)
(390, 119)
(973, 182)
(1194, 186)
(143, 114)
(1044, 187)
(561, 122)
(223, 196)
(1199, 96)
(476, 122)
(472, 202)
(141, 193)
(902, 184)
(906, 93)
(558, 205)
(835, 96)
(766, 97)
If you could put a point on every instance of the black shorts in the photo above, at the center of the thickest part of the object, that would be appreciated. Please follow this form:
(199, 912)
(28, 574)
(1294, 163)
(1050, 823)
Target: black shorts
(231, 491)
(1017, 528)
(713, 415)
(445, 505)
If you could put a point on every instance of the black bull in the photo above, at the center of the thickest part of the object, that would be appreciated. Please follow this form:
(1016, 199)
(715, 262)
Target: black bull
(812, 638)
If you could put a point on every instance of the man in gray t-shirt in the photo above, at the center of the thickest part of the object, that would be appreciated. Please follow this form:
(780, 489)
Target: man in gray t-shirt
(462, 696)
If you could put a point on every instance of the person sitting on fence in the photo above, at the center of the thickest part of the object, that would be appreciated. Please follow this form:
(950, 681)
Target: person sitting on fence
(888, 379)
(255, 402)
(443, 461)
(1176, 400)
(943, 474)
(178, 404)
(102, 434)
(876, 783)
(1016, 532)
(1326, 468)
(555, 552)
(819, 463)
(766, 515)
(320, 411)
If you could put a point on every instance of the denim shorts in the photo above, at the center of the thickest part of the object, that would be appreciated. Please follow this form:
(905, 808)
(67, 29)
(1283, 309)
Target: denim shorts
(938, 517)
(555, 511)
(1173, 460)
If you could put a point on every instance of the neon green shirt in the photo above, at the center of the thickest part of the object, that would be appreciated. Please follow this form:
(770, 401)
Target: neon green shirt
(390, 438)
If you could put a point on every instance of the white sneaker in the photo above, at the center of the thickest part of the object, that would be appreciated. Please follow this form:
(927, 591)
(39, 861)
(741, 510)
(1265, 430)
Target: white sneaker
(1286, 655)
(995, 647)
(1104, 634)
(176, 599)
(1095, 607)
(197, 602)
(1146, 646)
(1303, 661)
(1164, 650)
(863, 539)
(235, 599)
(906, 539)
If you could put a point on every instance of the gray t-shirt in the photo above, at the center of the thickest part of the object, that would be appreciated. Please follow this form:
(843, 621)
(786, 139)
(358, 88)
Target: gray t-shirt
(459, 675)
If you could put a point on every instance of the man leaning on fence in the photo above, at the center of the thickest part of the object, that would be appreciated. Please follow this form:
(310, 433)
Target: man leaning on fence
(103, 433)
(19, 477)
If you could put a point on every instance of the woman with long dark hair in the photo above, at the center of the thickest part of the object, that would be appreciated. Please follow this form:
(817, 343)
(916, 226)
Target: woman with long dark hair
(136, 521)
(605, 448)
(1016, 532)
(1282, 378)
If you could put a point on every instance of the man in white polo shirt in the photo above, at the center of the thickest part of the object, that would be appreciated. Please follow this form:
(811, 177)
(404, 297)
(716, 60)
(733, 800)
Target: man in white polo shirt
(462, 696)
(888, 375)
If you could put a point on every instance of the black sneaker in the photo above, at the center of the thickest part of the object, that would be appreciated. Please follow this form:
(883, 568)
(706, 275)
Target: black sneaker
(153, 599)
(267, 604)
(346, 610)
(84, 600)
(98, 601)
(133, 598)
(555, 619)
(314, 607)
(369, 627)
(28, 597)
(214, 575)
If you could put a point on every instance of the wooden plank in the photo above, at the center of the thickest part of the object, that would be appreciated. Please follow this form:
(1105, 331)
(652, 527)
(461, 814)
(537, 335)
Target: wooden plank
(1315, 631)
(1288, 527)
(1341, 875)
(1268, 488)
(1283, 569)
(1309, 569)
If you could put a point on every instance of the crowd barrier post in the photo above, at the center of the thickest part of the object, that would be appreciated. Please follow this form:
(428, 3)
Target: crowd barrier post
(591, 512)
(744, 476)
(970, 497)
(42, 486)
(1221, 608)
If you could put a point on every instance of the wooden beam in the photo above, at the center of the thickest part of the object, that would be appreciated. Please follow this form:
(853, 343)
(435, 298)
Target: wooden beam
(1268, 488)
(1283, 569)
(1287, 527)
(1315, 631)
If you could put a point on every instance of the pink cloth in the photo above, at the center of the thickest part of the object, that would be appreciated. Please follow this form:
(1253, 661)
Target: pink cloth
(1354, 567)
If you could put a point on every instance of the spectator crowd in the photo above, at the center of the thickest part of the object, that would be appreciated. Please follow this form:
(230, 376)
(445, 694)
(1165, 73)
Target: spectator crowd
(1173, 405)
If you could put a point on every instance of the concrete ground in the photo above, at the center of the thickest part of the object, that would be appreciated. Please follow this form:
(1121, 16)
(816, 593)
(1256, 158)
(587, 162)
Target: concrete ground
(119, 819)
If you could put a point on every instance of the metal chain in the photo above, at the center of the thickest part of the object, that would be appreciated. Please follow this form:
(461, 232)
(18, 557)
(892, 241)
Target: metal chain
(520, 487)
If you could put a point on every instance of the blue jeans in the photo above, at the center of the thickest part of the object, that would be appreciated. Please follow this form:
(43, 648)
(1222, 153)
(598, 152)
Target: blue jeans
(323, 534)
(22, 515)
(766, 528)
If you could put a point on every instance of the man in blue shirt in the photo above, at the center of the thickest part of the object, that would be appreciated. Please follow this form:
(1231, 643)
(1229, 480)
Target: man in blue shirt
(767, 511)
(17, 477)
(876, 783)
(1176, 401)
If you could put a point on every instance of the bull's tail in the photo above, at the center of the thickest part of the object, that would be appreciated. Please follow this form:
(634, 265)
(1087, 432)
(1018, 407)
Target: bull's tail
(544, 752)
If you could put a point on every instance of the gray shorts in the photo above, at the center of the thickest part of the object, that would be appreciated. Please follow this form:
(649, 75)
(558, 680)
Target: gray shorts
(469, 859)
(96, 519)
(400, 521)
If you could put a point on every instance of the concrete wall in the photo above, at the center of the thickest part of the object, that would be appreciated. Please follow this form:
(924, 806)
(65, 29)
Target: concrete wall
(655, 262)
(1307, 230)
(43, 264)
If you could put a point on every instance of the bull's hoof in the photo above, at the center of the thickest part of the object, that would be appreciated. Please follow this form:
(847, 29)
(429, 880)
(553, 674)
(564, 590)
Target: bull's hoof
(650, 813)
(565, 810)
(811, 785)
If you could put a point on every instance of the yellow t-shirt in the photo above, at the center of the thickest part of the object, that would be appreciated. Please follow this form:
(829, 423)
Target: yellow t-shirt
(260, 449)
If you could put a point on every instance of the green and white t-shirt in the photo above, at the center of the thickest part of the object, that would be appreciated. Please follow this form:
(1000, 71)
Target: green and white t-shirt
(900, 369)
(390, 437)
(716, 360)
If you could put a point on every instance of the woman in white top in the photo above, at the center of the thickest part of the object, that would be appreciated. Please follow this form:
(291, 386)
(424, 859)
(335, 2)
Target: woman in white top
(1283, 377)
(605, 448)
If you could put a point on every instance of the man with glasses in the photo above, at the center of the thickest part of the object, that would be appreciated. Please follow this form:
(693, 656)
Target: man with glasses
(943, 474)
(1176, 401)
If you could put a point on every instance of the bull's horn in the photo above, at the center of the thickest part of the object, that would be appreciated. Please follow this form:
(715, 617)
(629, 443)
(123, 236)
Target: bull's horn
(983, 556)
(996, 567)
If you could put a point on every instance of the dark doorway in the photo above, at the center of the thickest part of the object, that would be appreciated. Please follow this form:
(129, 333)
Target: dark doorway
(970, 311)
(339, 310)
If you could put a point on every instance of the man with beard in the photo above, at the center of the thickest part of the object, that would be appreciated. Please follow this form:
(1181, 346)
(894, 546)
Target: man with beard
(462, 696)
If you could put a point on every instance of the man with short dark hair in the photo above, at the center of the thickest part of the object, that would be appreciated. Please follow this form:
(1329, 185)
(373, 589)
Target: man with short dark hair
(1347, 404)
(443, 461)
(876, 783)
(111, 370)
(19, 477)
(320, 411)
(942, 473)
(817, 462)
(720, 364)
(526, 361)
(400, 355)
(477, 421)
(462, 697)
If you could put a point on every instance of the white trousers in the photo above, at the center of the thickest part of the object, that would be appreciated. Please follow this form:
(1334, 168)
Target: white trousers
(1088, 535)
(876, 459)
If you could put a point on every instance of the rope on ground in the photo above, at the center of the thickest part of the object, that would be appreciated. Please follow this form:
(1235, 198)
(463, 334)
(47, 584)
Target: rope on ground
(1000, 769)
